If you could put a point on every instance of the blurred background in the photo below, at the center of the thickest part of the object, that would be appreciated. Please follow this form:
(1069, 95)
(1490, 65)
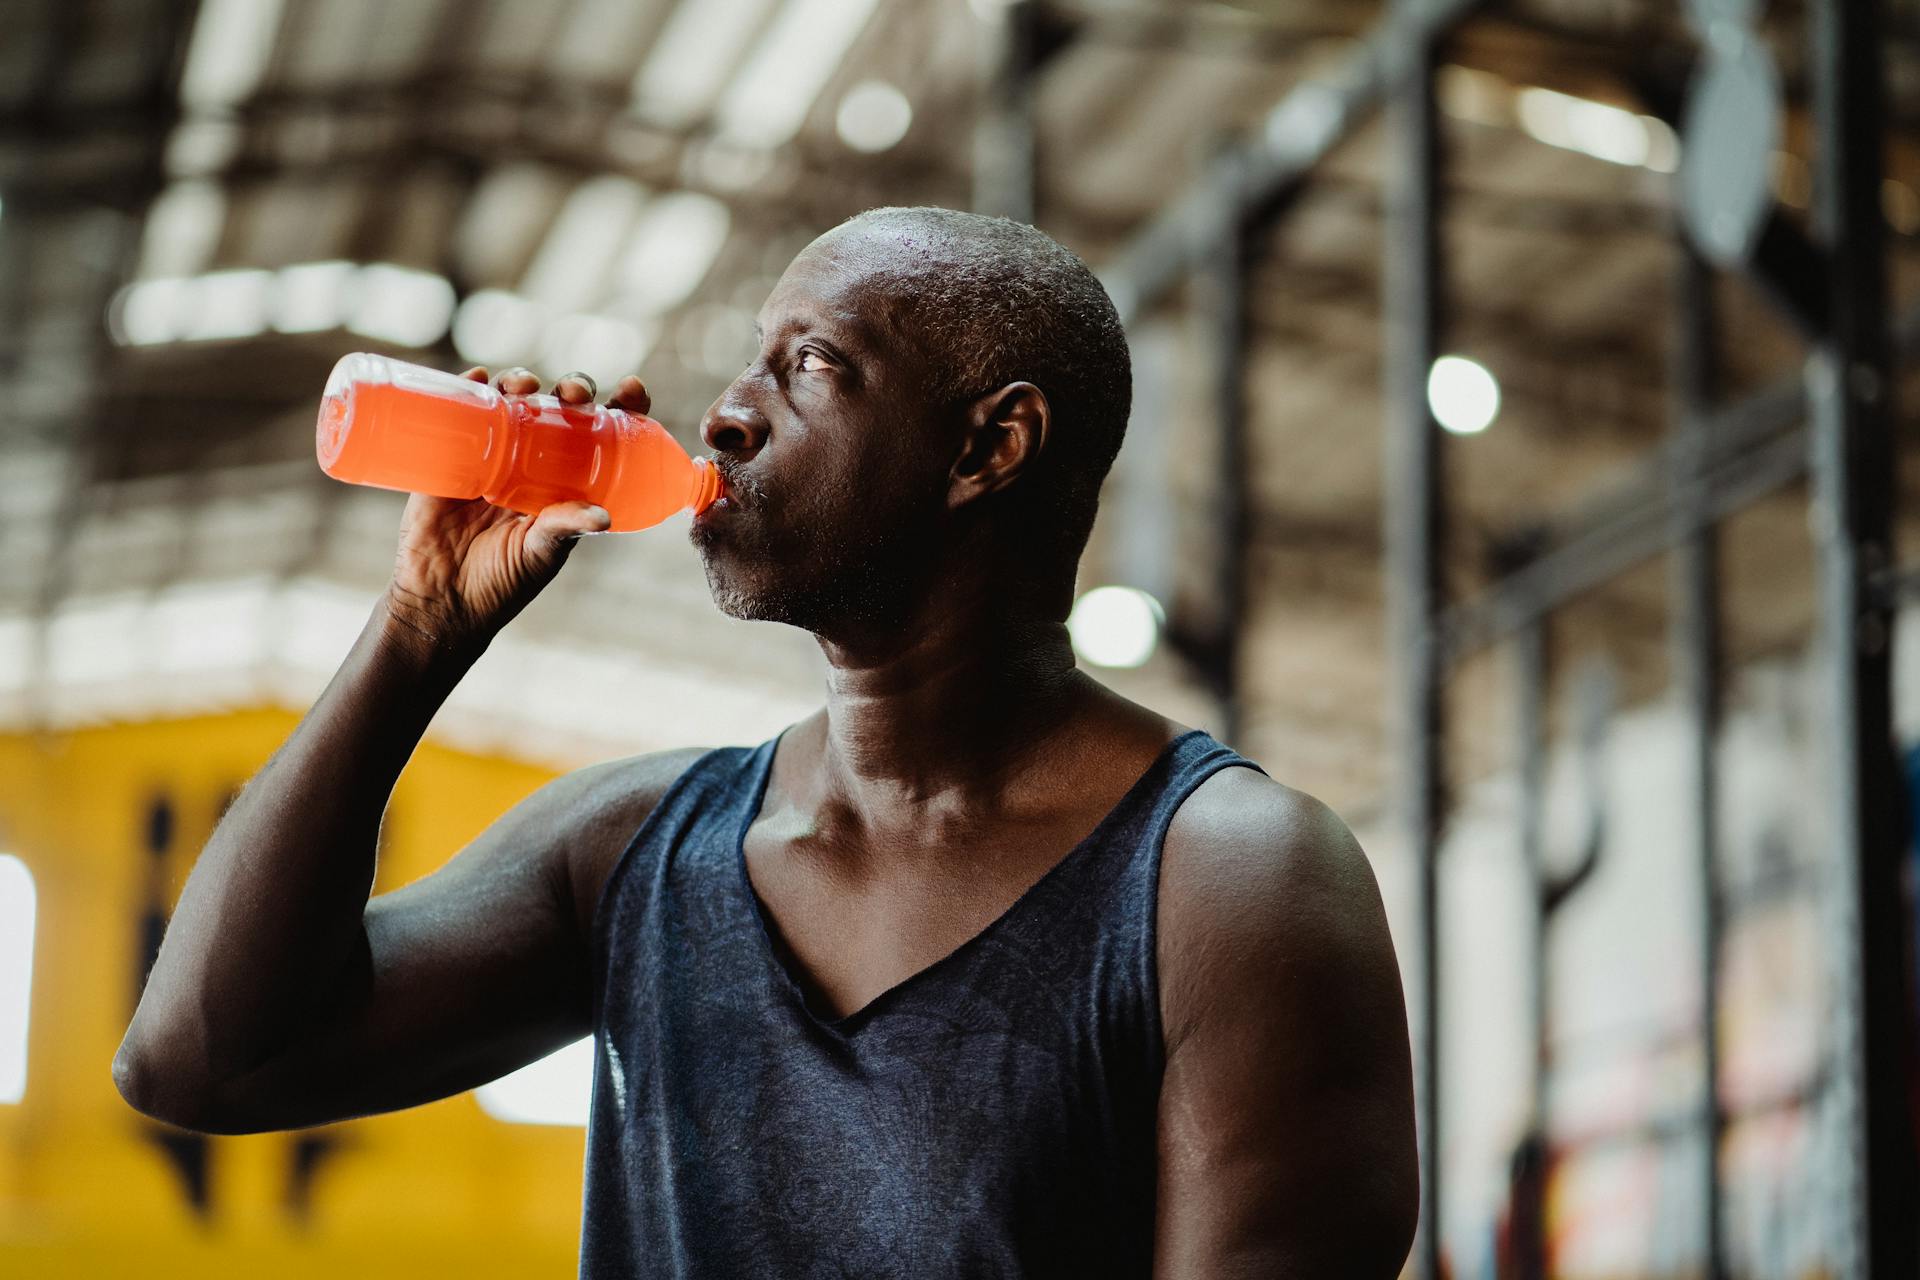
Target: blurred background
(1520, 402)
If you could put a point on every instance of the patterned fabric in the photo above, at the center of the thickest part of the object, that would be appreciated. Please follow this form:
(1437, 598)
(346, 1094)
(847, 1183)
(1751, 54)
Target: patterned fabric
(993, 1115)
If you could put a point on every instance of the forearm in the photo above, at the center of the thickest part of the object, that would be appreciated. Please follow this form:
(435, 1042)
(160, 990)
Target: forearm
(268, 930)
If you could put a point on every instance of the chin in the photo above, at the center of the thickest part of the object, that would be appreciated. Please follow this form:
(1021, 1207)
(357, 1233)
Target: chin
(736, 593)
(820, 603)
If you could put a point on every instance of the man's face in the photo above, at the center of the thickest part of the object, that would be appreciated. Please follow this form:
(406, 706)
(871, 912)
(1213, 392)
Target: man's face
(836, 460)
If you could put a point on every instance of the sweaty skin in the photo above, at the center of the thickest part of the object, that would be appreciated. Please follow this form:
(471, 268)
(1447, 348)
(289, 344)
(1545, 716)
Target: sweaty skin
(959, 755)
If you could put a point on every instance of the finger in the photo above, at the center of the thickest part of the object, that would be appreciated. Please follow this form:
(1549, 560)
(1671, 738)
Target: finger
(631, 394)
(476, 374)
(576, 388)
(559, 526)
(517, 381)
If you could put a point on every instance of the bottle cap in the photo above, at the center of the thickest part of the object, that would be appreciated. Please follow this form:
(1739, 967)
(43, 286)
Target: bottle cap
(708, 485)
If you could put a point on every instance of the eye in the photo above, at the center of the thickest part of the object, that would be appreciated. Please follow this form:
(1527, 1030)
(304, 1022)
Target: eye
(811, 361)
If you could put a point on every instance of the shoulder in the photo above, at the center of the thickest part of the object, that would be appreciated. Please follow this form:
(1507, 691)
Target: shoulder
(1259, 883)
(1286, 1108)
(595, 813)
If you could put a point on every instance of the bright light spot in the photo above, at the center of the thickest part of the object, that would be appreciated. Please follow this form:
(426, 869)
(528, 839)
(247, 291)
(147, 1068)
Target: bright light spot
(1463, 396)
(232, 42)
(502, 224)
(725, 166)
(673, 246)
(229, 304)
(873, 116)
(199, 147)
(1576, 124)
(411, 308)
(182, 229)
(314, 296)
(1306, 121)
(558, 1089)
(573, 260)
(1663, 145)
(769, 97)
(1115, 626)
(97, 641)
(17, 909)
(148, 312)
(497, 328)
(604, 348)
(676, 85)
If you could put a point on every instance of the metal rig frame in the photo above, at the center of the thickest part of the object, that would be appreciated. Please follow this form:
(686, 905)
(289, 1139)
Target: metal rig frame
(1830, 424)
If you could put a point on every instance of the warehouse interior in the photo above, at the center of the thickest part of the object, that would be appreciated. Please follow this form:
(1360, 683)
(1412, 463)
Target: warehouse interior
(1518, 463)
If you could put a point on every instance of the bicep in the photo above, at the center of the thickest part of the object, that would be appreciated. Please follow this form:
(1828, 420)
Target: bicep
(1286, 1127)
(465, 974)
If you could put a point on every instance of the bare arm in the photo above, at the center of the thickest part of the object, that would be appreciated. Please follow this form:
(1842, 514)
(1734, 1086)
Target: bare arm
(1286, 1114)
(281, 996)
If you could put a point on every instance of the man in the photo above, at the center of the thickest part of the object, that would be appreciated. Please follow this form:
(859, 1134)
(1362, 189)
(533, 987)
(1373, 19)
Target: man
(982, 970)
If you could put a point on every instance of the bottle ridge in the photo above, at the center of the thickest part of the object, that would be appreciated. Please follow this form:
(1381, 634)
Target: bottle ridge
(394, 425)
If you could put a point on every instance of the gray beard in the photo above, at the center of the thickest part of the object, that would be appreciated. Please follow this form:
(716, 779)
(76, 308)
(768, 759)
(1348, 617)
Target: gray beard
(857, 596)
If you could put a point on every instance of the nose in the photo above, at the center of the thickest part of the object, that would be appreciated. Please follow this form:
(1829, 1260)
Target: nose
(733, 426)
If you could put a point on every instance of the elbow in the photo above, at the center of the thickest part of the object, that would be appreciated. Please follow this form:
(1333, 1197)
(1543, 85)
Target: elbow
(155, 1091)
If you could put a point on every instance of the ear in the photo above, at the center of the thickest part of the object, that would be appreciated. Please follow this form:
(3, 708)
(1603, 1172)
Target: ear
(1005, 432)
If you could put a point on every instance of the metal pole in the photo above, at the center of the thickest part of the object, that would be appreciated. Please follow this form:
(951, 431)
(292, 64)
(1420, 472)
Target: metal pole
(1413, 526)
(1852, 461)
(1222, 294)
(1528, 1216)
(1003, 146)
(1696, 651)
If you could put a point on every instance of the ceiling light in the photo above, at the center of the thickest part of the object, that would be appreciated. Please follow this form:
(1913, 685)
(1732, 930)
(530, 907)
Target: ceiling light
(1462, 394)
(690, 59)
(498, 329)
(401, 305)
(1115, 626)
(199, 147)
(769, 98)
(1577, 124)
(501, 226)
(572, 262)
(873, 116)
(605, 348)
(672, 248)
(229, 304)
(148, 311)
(231, 46)
(311, 297)
(182, 230)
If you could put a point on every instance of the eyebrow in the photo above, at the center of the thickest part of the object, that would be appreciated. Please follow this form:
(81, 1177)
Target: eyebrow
(844, 329)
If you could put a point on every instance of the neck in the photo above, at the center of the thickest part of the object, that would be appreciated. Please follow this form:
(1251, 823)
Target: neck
(946, 704)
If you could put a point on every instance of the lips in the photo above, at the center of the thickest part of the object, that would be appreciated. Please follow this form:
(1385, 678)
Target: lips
(739, 490)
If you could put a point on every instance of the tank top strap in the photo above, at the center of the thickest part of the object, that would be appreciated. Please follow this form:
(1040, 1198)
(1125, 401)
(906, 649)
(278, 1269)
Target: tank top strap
(1090, 930)
(1184, 764)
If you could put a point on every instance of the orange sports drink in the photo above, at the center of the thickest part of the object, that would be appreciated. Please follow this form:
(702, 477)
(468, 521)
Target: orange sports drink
(394, 425)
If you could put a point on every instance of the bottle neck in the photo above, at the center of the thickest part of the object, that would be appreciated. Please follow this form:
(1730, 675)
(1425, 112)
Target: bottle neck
(707, 486)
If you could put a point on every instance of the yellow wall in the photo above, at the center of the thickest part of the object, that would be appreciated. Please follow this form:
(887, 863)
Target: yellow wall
(84, 1188)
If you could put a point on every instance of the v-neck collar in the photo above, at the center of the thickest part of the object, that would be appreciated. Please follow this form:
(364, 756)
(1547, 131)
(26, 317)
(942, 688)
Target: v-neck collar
(848, 1025)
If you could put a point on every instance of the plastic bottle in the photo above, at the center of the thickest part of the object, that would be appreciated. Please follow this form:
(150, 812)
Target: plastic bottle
(395, 425)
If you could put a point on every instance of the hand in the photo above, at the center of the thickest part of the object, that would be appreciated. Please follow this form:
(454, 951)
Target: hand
(465, 567)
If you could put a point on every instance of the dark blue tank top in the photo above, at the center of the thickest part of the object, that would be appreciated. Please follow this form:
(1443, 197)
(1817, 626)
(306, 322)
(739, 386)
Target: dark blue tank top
(991, 1116)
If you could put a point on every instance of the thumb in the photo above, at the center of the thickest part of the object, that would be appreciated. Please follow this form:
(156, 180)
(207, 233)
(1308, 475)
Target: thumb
(557, 527)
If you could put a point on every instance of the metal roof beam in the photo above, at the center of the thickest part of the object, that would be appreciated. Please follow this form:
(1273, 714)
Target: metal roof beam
(1259, 174)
